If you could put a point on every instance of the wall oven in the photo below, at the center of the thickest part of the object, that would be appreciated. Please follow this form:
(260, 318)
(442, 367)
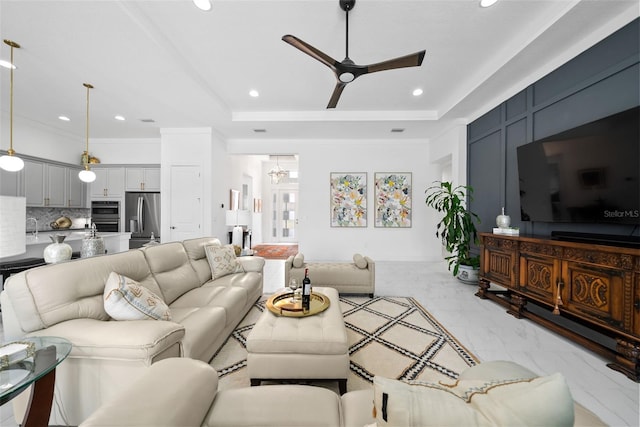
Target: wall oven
(105, 214)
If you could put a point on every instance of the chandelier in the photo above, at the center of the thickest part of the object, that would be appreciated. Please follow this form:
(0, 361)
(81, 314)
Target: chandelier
(277, 173)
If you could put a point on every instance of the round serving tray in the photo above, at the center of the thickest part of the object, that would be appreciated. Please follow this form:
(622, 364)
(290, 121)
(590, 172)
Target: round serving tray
(281, 305)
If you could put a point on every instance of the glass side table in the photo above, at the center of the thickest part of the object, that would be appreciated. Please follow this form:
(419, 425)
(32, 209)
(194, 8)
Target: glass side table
(38, 371)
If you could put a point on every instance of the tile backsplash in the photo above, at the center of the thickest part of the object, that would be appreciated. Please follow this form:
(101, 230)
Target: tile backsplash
(45, 216)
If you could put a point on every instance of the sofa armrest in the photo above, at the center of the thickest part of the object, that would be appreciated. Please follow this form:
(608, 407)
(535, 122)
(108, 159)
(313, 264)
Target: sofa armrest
(252, 263)
(152, 401)
(139, 340)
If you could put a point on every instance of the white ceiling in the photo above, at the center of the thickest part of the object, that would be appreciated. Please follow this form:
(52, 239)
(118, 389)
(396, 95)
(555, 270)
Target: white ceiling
(182, 67)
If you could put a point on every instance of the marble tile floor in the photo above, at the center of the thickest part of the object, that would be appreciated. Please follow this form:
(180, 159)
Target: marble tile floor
(486, 330)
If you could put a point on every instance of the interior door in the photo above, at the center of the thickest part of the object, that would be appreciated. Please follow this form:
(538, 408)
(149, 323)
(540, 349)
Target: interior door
(186, 208)
(284, 217)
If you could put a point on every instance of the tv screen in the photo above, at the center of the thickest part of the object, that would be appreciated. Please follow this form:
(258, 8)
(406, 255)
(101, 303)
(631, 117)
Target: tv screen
(588, 174)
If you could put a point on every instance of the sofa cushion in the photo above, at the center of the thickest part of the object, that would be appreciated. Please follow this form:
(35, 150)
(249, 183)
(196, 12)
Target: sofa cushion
(516, 402)
(222, 260)
(126, 299)
(330, 273)
(197, 257)
(172, 269)
(298, 260)
(201, 326)
(359, 261)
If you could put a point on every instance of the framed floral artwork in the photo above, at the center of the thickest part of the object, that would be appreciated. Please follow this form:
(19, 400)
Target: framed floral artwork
(348, 199)
(392, 199)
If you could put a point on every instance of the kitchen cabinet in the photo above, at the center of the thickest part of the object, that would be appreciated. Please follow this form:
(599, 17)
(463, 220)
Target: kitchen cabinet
(109, 183)
(587, 292)
(45, 184)
(77, 190)
(10, 183)
(142, 179)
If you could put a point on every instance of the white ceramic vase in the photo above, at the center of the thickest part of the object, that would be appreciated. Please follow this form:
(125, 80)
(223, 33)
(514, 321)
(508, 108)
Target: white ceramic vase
(57, 251)
(503, 221)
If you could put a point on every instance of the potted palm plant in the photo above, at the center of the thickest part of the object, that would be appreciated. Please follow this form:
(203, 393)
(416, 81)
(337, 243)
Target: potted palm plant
(457, 228)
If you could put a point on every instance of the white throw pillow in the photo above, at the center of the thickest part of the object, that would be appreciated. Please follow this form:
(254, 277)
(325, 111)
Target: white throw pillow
(222, 260)
(298, 260)
(360, 261)
(539, 401)
(126, 299)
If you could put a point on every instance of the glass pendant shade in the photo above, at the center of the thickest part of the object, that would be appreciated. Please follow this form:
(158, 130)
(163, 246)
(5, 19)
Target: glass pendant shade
(87, 175)
(11, 163)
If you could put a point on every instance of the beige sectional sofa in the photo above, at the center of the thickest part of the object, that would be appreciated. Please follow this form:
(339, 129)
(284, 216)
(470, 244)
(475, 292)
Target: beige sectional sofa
(357, 277)
(67, 300)
(504, 393)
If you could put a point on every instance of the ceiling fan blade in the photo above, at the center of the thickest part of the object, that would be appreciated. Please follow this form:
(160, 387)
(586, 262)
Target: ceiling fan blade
(336, 94)
(311, 51)
(413, 60)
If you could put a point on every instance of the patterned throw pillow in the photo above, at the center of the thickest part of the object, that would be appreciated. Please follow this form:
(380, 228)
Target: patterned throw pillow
(126, 299)
(222, 260)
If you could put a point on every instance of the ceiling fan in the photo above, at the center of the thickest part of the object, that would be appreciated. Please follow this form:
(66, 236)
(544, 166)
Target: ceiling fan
(347, 71)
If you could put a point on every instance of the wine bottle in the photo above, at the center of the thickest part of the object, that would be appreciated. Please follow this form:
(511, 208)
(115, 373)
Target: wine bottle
(306, 290)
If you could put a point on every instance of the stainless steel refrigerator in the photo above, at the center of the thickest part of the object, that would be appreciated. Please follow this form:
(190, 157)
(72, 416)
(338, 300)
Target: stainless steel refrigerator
(142, 217)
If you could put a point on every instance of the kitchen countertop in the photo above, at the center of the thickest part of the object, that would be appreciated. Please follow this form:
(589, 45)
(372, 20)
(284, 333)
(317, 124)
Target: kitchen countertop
(72, 235)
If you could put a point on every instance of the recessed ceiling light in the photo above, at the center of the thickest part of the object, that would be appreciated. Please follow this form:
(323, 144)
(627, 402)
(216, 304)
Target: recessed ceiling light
(147, 120)
(397, 130)
(417, 92)
(203, 4)
(7, 64)
(254, 93)
(487, 3)
(64, 118)
(259, 130)
(119, 117)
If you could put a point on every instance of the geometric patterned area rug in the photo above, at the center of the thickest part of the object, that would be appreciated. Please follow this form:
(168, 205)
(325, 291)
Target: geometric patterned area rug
(394, 337)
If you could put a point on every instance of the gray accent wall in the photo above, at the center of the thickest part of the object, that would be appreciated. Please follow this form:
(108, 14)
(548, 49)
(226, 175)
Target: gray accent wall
(601, 81)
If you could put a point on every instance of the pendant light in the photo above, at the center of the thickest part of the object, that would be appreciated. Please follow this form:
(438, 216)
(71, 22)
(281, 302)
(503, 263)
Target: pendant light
(87, 175)
(277, 174)
(10, 162)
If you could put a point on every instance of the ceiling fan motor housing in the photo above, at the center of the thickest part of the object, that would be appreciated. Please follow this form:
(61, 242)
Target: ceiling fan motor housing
(347, 5)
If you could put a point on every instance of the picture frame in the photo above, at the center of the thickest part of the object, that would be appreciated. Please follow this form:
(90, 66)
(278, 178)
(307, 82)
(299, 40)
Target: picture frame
(348, 194)
(393, 199)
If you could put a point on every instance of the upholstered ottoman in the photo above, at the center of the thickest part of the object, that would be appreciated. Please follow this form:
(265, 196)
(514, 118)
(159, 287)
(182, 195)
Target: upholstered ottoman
(304, 348)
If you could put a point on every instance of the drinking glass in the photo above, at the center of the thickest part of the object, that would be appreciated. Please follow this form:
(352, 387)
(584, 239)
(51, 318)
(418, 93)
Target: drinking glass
(293, 285)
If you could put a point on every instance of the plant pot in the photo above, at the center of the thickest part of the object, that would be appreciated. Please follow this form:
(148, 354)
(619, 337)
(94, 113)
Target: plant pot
(467, 274)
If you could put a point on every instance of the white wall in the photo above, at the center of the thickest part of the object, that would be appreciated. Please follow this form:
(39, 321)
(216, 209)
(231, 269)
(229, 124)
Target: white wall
(126, 151)
(33, 139)
(317, 159)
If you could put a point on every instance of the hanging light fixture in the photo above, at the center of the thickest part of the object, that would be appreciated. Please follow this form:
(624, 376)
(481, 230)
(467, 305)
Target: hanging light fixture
(10, 162)
(277, 173)
(87, 175)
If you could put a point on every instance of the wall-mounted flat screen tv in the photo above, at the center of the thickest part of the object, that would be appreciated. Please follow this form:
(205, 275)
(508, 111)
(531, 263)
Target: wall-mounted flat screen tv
(588, 174)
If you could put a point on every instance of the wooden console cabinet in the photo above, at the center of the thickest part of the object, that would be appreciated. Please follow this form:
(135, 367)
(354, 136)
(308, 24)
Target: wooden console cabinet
(593, 286)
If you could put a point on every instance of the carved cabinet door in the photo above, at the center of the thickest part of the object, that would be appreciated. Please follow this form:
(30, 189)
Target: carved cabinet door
(539, 277)
(597, 293)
